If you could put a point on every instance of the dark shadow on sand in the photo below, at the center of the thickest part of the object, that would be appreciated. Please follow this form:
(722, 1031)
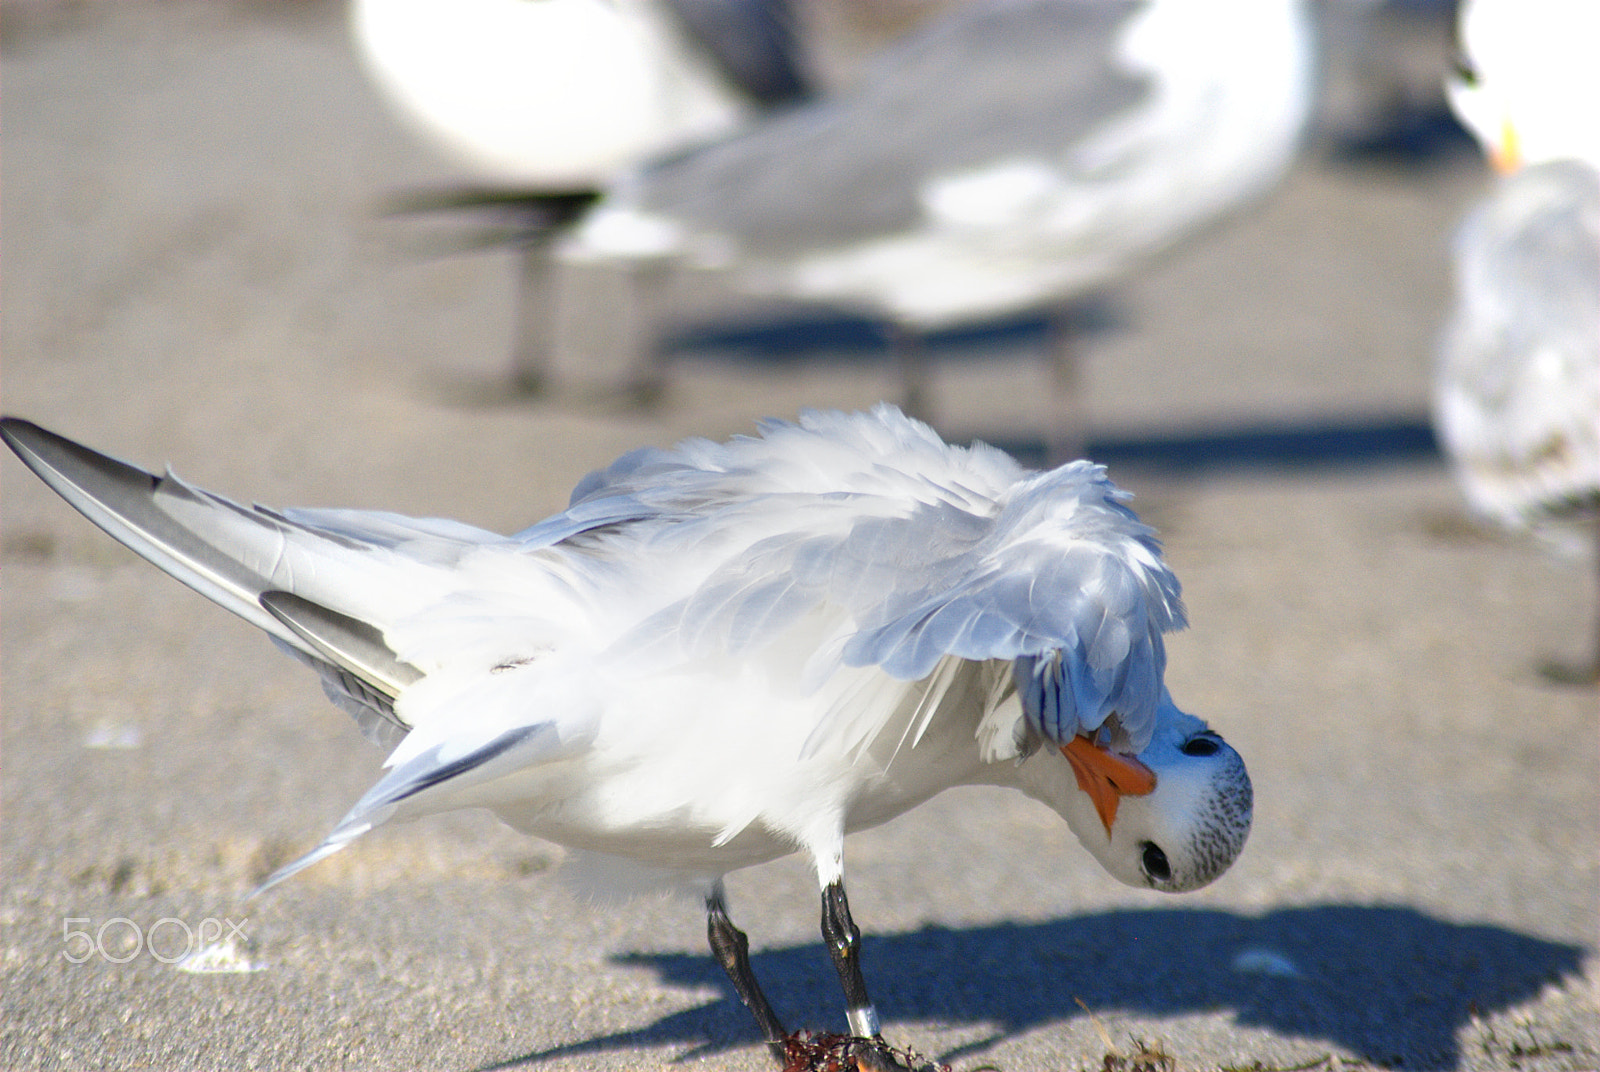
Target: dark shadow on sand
(780, 339)
(1347, 441)
(1389, 983)
(1323, 442)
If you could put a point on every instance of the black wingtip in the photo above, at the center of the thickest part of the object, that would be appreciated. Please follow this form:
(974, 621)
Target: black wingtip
(58, 460)
(16, 432)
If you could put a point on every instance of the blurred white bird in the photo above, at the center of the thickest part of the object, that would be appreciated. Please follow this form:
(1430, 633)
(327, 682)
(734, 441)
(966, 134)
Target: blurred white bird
(1517, 381)
(1517, 394)
(1526, 84)
(563, 94)
(549, 101)
(1007, 157)
(721, 654)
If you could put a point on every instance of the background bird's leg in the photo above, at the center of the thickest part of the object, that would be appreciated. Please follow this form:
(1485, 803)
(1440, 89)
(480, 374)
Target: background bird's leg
(732, 950)
(1066, 437)
(844, 943)
(1584, 673)
(649, 282)
(908, 349)
(536, 317)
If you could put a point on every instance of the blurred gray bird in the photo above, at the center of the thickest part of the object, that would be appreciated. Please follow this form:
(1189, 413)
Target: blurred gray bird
(1008, 157)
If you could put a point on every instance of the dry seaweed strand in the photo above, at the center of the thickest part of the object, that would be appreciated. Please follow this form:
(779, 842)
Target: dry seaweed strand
(1143, 1059)
(804, 1051)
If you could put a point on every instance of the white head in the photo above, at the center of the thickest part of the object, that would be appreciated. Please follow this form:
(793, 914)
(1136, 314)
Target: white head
(1178, 837)
(1526, 81)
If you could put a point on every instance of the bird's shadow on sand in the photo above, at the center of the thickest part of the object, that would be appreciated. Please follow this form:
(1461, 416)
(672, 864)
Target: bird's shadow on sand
(803, 335)
(1343, 440)
(1387, 983)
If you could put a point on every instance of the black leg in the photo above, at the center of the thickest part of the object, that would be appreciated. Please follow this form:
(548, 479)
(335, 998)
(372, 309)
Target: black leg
(1065, 438)
(910, 352)
(537, 317)
(650, 286)
(839, 931)
(732, 950)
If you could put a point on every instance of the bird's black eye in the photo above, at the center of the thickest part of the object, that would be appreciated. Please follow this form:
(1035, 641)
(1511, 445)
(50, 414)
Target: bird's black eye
(1464, 71)
(1202, 745)
(1155, 863)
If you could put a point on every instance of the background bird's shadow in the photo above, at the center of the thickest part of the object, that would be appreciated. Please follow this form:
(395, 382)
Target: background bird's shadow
(1328, 441)
(810, 336)
(1334, 442)
(1388, 983)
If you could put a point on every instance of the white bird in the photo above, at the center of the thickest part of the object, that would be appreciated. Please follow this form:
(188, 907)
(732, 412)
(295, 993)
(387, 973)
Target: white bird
(721, 654)
(1526, 80)
(1517, 378)
(563, 94)
(549, 101)
(1007, 157)
(1517, 390)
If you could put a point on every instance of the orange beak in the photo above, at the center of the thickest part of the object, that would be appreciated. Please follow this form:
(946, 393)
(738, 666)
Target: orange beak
(1506, 156)
(1107, 776)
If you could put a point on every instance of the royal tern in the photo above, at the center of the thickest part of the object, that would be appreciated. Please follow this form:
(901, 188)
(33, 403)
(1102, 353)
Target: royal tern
(721, 654)
(1006, 157)
(1517, 379)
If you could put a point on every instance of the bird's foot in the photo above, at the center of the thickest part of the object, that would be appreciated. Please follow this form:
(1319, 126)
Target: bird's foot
(807, 1052)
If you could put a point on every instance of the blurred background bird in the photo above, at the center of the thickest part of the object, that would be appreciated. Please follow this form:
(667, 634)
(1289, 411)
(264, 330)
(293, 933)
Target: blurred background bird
(1517, 382)
(545, 103)
(1006, 157)
(927, 165)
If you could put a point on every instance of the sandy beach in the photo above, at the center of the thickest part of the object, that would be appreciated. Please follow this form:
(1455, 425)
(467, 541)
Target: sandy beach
(197, 270)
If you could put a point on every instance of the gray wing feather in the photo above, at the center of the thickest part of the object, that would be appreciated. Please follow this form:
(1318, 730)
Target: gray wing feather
(611, 496)
(352, 648)
(430, 539)
(1083, 626)
(1062, 580)
(991, 83)
(130, 504)
(233, 555)
(444, 767)
(373, 711)
(753, 42)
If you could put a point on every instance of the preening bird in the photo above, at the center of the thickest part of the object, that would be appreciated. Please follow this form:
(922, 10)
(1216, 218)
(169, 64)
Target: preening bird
(721, 654)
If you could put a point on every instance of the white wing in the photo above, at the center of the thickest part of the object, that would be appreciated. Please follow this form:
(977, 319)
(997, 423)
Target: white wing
(922, 550)
(406, 620)
(821, 548)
